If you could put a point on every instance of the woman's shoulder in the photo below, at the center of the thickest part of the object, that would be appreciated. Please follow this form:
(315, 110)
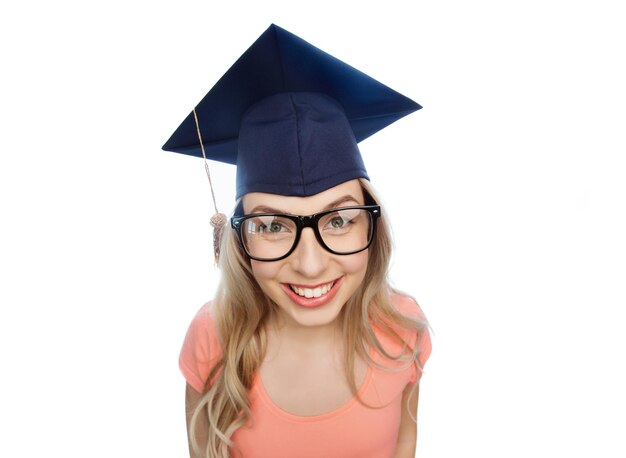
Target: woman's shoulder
(201, 348)
(407, 305)
(205, 314)
(417, 329)
(203, 323)
(417, 335)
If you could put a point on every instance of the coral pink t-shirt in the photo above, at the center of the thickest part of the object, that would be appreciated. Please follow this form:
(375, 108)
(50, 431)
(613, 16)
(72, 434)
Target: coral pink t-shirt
(352, 430)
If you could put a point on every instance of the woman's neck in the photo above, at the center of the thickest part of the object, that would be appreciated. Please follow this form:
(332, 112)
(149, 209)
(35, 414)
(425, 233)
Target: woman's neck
(296, 335)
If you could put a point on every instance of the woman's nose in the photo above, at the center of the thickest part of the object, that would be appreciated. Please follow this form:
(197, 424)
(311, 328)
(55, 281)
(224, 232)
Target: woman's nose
(309, 258)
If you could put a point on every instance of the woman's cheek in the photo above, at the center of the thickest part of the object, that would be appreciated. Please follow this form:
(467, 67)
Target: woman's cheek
(264, 271)
(356, 263)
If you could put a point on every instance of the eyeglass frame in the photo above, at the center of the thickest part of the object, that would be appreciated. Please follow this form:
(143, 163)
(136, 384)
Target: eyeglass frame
(302, 222)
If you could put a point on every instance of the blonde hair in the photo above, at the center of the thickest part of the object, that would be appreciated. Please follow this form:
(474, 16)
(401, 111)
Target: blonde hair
(240, 310)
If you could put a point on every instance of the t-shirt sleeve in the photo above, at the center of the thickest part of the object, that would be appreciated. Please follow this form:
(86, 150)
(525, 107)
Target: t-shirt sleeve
(200, 350)
(409, 307)
(425, 347)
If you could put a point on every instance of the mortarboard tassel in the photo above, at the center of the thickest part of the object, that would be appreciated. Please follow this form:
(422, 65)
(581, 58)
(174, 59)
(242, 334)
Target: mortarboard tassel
(218, 220)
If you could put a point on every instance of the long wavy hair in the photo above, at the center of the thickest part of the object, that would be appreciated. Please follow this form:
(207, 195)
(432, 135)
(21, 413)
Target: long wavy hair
(240, 312)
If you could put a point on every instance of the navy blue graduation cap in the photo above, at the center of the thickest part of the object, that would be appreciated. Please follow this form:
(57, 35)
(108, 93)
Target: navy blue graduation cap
(289, 116)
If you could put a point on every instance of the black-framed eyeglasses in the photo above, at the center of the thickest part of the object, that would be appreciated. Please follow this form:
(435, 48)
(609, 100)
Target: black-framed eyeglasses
(274, 236)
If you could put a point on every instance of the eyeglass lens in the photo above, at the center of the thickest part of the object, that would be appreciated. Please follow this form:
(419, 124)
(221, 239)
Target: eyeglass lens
(273, 236)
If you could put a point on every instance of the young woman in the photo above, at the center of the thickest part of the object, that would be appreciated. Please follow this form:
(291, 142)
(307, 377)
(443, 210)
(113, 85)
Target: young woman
(306, 350)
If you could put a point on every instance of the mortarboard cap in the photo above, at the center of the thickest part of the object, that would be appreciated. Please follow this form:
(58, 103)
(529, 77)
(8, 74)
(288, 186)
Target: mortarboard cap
(290, 116)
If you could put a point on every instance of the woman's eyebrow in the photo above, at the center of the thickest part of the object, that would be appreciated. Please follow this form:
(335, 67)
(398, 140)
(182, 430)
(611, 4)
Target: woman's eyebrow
(334, 204)
(264, 209)
(341, 200)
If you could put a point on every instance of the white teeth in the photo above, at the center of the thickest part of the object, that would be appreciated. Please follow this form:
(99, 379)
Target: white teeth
(309, 293)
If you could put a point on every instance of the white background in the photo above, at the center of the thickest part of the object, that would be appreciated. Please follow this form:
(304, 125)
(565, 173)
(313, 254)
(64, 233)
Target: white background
(506, 194)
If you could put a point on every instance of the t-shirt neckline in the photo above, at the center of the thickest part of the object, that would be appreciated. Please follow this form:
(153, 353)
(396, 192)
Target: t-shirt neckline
(259, 388)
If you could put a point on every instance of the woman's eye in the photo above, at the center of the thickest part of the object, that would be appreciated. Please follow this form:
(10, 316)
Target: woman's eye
(261, 226)
(337, 222)
(275, 227)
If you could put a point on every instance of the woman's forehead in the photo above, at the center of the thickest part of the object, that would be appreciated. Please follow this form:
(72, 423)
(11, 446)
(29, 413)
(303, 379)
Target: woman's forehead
(347, 193)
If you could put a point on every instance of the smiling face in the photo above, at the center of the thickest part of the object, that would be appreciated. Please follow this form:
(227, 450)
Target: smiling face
(311, 285)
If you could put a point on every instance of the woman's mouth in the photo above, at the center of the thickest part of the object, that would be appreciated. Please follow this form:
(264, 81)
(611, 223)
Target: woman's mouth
(312, 292)
(312, 295)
